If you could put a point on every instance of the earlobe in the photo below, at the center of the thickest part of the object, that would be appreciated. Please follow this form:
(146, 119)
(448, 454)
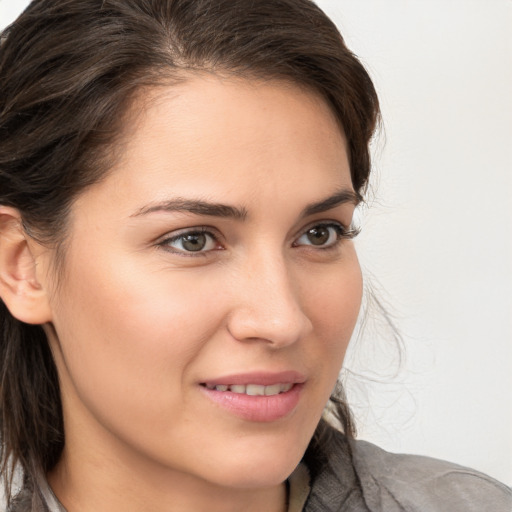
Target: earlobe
(20, 288)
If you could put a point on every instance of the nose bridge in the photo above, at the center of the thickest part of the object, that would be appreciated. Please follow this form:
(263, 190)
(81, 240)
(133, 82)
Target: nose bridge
(268, 305)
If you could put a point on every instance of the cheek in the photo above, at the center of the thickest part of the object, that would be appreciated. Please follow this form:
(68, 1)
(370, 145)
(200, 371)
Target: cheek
(333, 306)
(126, 301)
(128, 345)
(334, 300)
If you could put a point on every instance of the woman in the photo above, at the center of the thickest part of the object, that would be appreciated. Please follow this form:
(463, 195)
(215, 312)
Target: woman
(178, 280)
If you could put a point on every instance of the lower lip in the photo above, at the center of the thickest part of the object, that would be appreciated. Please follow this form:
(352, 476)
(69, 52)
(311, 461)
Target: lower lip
(256, 408)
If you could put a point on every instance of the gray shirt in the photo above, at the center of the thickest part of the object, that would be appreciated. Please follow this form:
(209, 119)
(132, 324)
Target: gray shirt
(357, 476)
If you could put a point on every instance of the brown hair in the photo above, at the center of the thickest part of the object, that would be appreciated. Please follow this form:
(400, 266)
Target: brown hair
(68, 69)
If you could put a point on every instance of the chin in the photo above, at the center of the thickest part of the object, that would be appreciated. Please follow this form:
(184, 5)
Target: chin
(248, 476)
(258, 465)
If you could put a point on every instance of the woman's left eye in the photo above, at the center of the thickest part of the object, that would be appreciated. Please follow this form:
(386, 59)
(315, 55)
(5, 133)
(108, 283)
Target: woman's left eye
(322, 236)
(190, 242)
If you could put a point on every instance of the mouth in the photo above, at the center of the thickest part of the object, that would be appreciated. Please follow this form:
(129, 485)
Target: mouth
(251, 389)
(256, 397)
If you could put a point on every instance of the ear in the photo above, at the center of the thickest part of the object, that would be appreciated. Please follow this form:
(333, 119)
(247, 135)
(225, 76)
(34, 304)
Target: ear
(20, 288)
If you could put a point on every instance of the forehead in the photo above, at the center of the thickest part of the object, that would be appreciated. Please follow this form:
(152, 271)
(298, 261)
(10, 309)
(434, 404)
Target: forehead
(212, 135)
(226, 102)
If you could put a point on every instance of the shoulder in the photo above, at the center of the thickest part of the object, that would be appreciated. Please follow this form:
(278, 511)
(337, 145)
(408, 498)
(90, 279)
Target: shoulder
(413, 483)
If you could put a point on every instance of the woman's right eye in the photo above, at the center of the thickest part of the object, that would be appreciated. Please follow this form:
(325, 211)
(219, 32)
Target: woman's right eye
(190, 242)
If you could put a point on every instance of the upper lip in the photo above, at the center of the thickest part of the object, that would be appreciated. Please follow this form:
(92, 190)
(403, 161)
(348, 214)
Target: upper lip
(260, 378)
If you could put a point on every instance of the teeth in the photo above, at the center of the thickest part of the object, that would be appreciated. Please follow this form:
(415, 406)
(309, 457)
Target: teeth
(253, 389)
(273, 390)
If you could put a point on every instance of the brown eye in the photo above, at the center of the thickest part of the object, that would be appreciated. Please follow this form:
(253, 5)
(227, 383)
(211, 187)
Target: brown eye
(318, 236)
(190, 242)
(194, 242)
(323, 235)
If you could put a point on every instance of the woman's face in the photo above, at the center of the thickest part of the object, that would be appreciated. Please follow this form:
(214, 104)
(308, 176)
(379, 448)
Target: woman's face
(210, 288)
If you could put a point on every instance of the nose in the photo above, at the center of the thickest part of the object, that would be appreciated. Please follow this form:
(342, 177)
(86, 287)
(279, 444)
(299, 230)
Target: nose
(268, 304)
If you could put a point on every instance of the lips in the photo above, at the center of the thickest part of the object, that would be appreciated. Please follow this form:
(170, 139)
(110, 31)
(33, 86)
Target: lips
(261, 397)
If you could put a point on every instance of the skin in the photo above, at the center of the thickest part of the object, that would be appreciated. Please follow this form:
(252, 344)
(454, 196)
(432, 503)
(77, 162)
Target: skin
(137, 324)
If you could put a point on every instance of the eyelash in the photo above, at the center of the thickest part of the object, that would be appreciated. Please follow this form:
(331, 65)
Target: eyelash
(342, 233)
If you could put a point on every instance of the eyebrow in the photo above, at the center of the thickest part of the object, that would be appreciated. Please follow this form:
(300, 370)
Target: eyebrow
(343, 196)
(197, 207)
(200, 207)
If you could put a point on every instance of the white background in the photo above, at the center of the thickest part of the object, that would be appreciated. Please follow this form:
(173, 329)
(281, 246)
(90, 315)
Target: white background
(438, 235)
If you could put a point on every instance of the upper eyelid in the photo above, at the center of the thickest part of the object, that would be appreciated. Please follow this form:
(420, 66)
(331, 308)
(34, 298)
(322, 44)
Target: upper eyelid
(216, 233)
(176, 234)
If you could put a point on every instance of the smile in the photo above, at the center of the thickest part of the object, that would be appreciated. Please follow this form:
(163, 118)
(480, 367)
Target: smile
(252, 389)
(255, 402)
